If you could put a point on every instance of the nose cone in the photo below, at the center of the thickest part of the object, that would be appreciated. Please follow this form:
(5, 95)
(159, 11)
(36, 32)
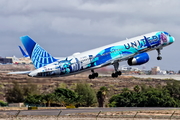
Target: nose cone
(171, 39)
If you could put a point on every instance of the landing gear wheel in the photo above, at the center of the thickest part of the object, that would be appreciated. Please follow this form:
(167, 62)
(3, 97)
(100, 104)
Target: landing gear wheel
(159, 58)
(119, 72)
(114, 75)
(91, 76)
(159, 53)
(95, 74)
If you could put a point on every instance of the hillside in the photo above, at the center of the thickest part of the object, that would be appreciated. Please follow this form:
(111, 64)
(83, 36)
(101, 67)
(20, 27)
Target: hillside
(46, 85)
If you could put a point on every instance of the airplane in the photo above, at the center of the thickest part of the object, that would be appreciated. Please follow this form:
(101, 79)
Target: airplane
(133, 50)
(23, 53)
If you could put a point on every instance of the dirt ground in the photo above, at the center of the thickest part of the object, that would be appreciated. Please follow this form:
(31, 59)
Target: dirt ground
(124, 115)
(173, 113)
(47, 85)
(54, 118)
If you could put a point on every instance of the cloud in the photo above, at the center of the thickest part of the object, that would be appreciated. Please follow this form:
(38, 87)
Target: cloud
(88, 18)
(84, 24)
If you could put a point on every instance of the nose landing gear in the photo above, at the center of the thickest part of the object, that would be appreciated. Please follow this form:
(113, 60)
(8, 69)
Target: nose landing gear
(159, 54)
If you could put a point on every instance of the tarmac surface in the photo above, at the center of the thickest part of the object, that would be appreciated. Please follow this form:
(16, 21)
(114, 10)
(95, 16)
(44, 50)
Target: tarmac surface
(55, 112)
(175, 77)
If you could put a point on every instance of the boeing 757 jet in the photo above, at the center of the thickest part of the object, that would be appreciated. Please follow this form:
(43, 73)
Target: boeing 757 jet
(133, 50)
(23, 53)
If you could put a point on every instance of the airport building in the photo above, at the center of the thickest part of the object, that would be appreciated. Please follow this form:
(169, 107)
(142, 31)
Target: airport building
(16, 60)
(157, 71)
(5, 60)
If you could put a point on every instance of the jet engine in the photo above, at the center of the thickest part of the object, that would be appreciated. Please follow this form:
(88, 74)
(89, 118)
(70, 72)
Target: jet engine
(138, 59)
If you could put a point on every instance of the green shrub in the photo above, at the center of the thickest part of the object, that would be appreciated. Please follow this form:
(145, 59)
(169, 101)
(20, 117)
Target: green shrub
(70, 107)
(2, 103)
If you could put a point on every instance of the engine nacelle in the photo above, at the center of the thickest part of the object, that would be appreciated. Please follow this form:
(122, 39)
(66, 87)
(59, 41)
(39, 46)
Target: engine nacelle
(138, 59)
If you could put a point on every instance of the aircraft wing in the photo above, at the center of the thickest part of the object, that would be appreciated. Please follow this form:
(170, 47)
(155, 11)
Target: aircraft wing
(112, 61)
(20, 72)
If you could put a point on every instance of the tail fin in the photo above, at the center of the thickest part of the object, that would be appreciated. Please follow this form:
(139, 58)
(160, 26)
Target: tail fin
(38, 55)
(23, 53)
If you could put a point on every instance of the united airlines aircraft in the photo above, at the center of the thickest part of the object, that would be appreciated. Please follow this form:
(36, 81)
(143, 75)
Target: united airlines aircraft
(23, 53)
(133, 50)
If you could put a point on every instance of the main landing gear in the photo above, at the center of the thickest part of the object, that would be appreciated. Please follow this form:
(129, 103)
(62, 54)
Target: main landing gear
(159, 54)
(93, 75)
(117, 73)
(114, 75)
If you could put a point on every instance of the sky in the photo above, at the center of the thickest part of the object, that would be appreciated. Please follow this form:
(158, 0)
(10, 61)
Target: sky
(64, 27)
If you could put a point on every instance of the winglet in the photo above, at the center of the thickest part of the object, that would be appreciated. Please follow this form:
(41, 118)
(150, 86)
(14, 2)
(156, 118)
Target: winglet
(38, 55)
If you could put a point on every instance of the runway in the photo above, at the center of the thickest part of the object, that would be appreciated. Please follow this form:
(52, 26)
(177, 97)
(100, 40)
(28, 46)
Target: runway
(55, 112)
(175, 77)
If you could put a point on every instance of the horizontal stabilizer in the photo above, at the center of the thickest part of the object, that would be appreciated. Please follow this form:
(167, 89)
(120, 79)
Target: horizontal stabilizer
(22, 51)
(20, 72)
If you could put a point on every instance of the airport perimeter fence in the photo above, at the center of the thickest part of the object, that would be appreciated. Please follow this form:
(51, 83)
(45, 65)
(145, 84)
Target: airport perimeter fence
(115, 115)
